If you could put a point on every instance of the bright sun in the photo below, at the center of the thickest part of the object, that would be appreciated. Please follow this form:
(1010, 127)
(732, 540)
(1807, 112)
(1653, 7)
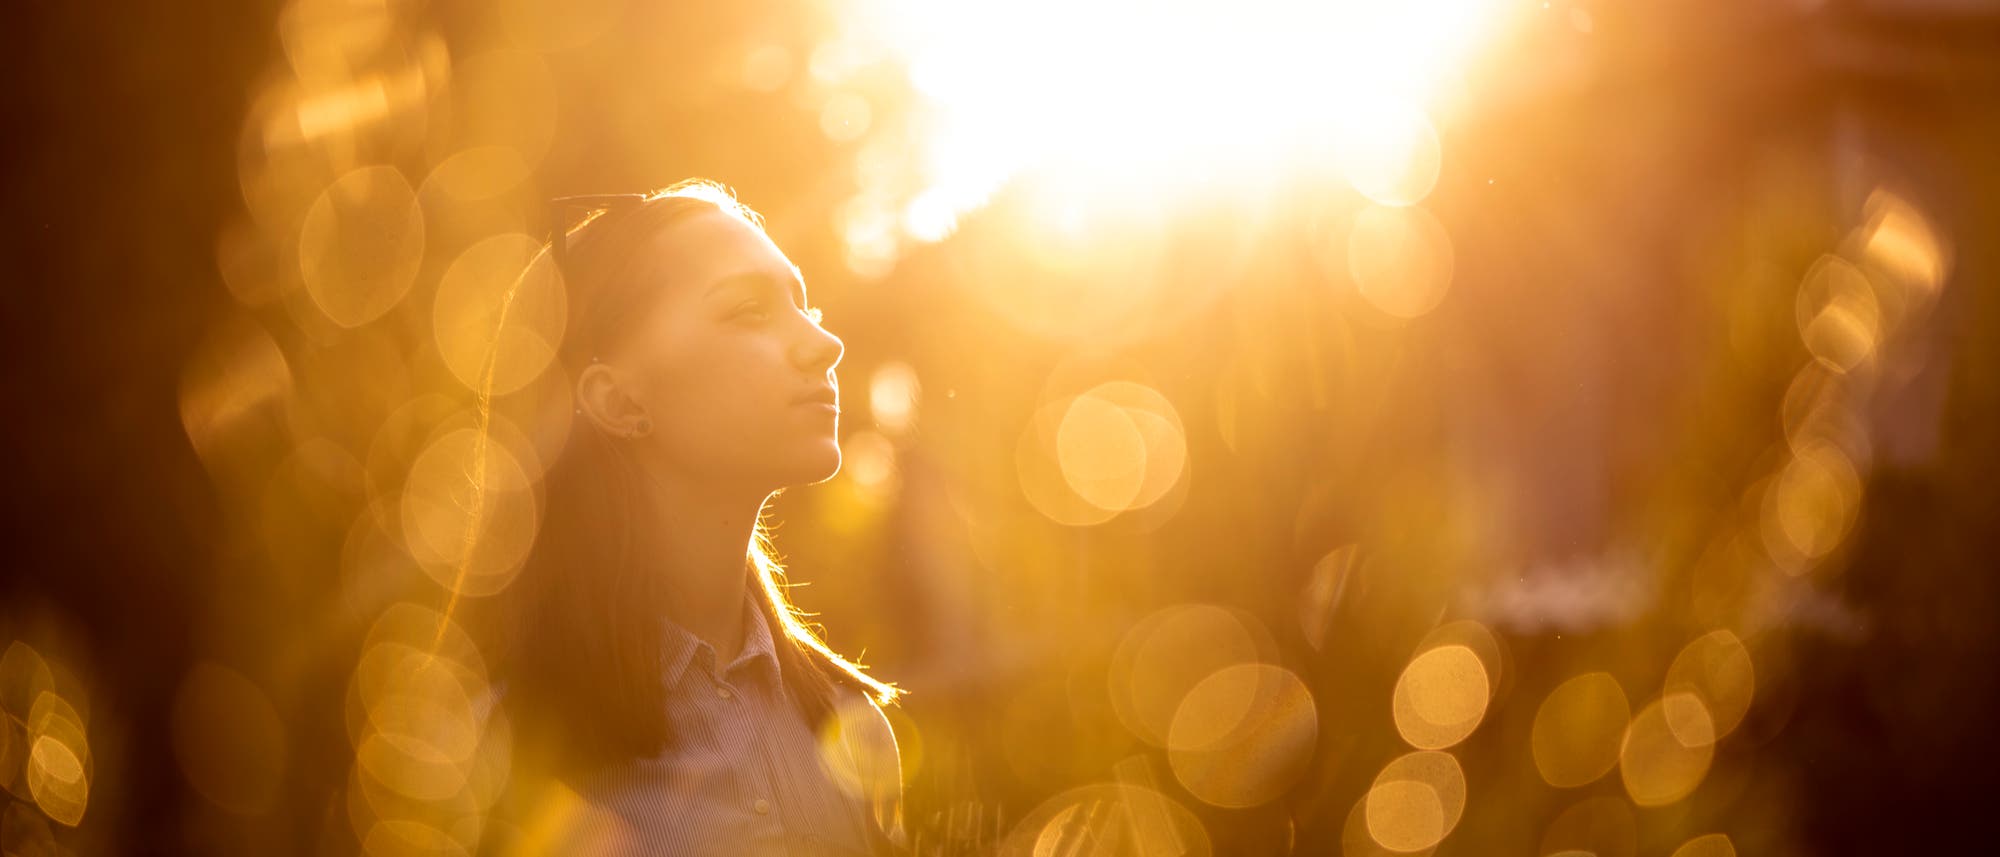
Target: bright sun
(1121, 94)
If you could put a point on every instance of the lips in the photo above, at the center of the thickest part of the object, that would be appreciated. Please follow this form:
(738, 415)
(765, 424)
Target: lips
(822, 396)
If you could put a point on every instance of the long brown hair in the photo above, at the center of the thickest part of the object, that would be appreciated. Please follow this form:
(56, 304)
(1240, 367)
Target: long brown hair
(582, 654)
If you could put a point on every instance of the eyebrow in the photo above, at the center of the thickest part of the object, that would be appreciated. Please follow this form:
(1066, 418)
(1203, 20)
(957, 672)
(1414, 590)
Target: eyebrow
(759, 279)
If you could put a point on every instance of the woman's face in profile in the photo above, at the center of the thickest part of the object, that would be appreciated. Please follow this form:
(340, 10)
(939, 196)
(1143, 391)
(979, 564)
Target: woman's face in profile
(735, 373)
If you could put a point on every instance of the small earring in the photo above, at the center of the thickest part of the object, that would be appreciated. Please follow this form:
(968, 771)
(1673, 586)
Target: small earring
(645, 426)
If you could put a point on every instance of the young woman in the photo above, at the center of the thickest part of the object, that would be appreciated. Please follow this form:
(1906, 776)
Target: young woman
(657, 679)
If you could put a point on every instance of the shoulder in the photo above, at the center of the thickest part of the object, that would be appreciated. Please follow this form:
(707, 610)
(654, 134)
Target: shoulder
(873, 765)
(865, 723)
(864, 729)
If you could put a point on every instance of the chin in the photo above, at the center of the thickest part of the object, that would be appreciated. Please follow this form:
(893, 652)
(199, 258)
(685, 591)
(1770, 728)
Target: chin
(816, 466)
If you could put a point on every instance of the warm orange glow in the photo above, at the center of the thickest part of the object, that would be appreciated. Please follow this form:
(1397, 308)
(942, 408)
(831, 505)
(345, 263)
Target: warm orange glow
(1389, 153)
(229, 739)
(1400, 259)
(1274, 426)
(504, 97)
(1601, 826)
(869, 459)
(549, 25)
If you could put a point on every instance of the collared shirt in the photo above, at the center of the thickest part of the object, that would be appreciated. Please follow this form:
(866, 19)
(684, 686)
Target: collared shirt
(744, 773)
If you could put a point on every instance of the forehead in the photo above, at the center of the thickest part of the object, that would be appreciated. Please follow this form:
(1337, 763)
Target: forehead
(712, 245)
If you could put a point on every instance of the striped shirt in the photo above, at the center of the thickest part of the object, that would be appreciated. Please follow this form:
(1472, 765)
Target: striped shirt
(745, 775)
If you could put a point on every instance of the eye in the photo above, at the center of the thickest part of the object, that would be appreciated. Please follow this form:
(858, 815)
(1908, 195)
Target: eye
(750, 310)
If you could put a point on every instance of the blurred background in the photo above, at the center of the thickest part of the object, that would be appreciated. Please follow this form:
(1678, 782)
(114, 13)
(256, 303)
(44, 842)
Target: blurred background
(1444, 427)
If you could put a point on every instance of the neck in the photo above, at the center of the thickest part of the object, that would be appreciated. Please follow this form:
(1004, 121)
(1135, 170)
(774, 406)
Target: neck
(706, 546)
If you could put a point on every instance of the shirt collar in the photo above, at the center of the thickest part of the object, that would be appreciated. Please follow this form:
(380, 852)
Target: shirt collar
(759, 648)
(684, 649)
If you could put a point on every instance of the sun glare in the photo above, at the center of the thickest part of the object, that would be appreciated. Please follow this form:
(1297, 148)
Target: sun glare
(1124, 96)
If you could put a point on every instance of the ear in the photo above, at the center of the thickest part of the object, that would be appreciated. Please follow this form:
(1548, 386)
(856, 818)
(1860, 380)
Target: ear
(602, 398)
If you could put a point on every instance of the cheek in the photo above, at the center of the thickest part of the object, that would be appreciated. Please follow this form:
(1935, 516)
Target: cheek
(713, 389)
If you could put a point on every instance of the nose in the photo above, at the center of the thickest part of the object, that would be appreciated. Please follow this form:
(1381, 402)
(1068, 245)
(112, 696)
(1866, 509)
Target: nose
(818, 350)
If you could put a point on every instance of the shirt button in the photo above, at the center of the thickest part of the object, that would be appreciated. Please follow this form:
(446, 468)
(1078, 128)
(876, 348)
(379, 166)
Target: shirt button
(723, 692)
(762, 806)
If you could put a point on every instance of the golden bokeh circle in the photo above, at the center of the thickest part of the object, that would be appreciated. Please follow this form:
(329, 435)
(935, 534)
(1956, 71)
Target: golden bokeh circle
(1120, 446)
(1811, 505)
(427, 739)
(1838, 316)
(1400, 259)
(406, 648)
(1481, 640)
(1243, 735)
(1357, 841)
(1165, 655)
(500, 314)
(1040, 475)
(1392, 156)
(469, 512)
(1707, 845)
(361, 244)
(1716, 667)
(893, 394)
(1578, 729)
(1900, 242)
(1101, 453)
(1416, 801)
(1117, 447)
(1667, 750)
(1820, 407)
(59, 759)
(1441, 697)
